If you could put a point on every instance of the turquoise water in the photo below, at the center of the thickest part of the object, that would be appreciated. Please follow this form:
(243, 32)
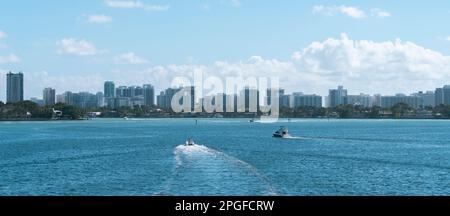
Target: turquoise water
(234, 157)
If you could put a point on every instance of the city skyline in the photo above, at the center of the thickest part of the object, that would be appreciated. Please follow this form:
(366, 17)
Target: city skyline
(145, 95)
(373, 47)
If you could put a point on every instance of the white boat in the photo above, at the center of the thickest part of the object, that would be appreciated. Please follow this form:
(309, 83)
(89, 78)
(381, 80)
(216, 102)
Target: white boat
(126, 118)
(283, 132)
(190, 142)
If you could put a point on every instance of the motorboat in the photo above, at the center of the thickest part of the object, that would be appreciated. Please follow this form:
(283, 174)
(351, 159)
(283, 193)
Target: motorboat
(283, 132)
(190, 142)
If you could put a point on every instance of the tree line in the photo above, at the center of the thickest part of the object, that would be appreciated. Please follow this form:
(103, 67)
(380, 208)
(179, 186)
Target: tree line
(31, 110)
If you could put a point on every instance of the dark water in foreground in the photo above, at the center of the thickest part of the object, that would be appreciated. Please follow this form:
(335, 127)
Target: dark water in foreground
(144, 157)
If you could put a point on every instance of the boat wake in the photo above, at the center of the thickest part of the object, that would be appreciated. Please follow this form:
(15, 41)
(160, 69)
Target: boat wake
(200, 170)
(295, 137)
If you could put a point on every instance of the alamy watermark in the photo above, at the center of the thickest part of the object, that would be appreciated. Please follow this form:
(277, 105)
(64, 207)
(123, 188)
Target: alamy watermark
(231, 94)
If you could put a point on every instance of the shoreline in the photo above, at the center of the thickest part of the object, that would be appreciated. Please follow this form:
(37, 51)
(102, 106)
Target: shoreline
(256, 120)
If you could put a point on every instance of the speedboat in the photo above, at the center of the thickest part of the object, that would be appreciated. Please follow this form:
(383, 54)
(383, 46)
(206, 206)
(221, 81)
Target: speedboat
(190, 142)
(283, 132)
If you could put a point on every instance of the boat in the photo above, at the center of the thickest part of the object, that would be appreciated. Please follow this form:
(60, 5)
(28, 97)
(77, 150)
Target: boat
(283, 132)
(125, 118)
(190, 142)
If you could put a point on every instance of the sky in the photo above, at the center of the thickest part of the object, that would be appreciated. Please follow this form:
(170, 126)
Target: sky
(381, 46)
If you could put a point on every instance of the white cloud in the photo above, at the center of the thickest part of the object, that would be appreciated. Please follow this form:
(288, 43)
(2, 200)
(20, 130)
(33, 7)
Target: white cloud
(2, 34)
(72, 46)
(369, 65)
(11, 58)
(130, 58)
(447, 38)
(135, 4)
(236, 3)
(98, 19)
(385, 67)
(380, 13)
(350, 11)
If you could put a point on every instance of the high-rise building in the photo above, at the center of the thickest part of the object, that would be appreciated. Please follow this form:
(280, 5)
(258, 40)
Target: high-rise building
(138, 91)
(358, 100)
(337, 96)
(390, 101)
(149, 95)
(109, 90)
(442, 96)
(439, 96)
(14, 87)
(100, 99)
(427, 98)
(301, 100)
(49, 96)
(130, 91)
(85, 100)
(376, 100)
(251, 99)
(60, 98)
(68, 98)
(164, 99)
(446, 93)
(269, 95)
(121, 91)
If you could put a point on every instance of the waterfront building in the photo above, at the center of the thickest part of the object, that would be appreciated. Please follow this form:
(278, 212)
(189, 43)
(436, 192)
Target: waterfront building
(390, 101)
(121, 91)
(68, 98)
(49, 96)
(138, 91)
(337, 96)
(439, 96)
(84, 100)
(164, 99)
(14, 87)
(427, 98)
(149, 95)
(100, 99)
(137, 101)
(363, 100)
(281, 93)
(121, 102)
(250, 97)
(301, 100)
(442, 96)
(60, 98)
(376, 100)
(109, 89)
(446, 95)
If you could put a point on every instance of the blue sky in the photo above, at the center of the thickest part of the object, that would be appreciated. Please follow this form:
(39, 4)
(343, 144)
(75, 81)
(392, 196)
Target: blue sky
(60, 43)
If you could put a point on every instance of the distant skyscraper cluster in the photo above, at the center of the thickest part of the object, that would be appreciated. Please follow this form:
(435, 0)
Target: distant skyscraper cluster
(128, 96)
(441, 96)
(131, 96)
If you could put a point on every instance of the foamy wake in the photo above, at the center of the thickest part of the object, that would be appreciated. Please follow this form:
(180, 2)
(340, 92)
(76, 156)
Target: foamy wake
(196, 158)
(296, 137)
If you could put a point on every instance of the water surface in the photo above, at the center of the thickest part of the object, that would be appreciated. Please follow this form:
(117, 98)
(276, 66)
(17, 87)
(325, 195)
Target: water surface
(234, 157)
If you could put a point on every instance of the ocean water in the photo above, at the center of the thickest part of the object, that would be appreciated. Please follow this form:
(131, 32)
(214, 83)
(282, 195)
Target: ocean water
(233, 157)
